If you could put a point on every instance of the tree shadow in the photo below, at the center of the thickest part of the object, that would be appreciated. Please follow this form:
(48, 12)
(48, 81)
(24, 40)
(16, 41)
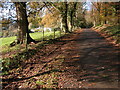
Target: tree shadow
(97, 60)
(20, 79)
(29, 55)
(19, 59)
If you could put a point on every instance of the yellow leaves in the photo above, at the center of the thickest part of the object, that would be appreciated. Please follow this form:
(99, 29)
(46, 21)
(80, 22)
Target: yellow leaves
(51, 19)
(105, 12)
(29, 19)
(5, 22)
(35, 21)
(33, 4)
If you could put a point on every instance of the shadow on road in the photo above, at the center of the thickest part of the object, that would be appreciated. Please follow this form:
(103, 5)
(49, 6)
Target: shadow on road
(96, 60)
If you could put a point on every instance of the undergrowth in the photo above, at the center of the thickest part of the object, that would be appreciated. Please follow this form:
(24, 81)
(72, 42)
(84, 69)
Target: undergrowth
(112, 31)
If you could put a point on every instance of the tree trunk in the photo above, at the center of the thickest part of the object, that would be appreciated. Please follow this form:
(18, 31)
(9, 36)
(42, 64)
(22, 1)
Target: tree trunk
(72, 14)
(43, 35)
(71, 20)
(54, 33)
(64, 19)
(99, 16)
(22, 23)
(63, 11)
(99, 21)
(105, 22)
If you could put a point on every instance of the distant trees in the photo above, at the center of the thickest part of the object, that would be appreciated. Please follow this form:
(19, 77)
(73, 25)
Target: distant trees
(5, 22)
(51, 19)
(105, 12)
(116, 6)
(34, 10)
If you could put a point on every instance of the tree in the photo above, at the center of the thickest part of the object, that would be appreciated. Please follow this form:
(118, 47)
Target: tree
(5, 22)
(71, 13)
(62, 7)
(35, 13)
(51, 18)
(64, 18)
(22, 23)
(79, 15)
(97, 12)
(106, 13)
(116, 6)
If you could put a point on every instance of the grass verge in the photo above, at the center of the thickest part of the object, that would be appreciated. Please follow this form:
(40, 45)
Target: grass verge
(110, 31)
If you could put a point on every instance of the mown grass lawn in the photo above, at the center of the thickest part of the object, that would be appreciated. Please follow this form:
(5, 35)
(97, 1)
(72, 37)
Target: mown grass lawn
(37, 36)
(7, 40)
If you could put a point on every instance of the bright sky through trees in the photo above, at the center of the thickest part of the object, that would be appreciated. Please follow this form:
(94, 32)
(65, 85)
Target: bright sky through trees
(8, 11)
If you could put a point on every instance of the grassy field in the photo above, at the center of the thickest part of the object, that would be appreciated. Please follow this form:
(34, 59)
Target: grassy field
(7, 40)
(37, 36)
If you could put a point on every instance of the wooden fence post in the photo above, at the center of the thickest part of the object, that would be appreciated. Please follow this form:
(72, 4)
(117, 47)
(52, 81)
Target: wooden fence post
(54, 33)
(43, 35)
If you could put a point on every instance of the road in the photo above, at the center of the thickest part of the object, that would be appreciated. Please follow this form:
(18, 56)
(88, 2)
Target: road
(88, 61)
(92, 62)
